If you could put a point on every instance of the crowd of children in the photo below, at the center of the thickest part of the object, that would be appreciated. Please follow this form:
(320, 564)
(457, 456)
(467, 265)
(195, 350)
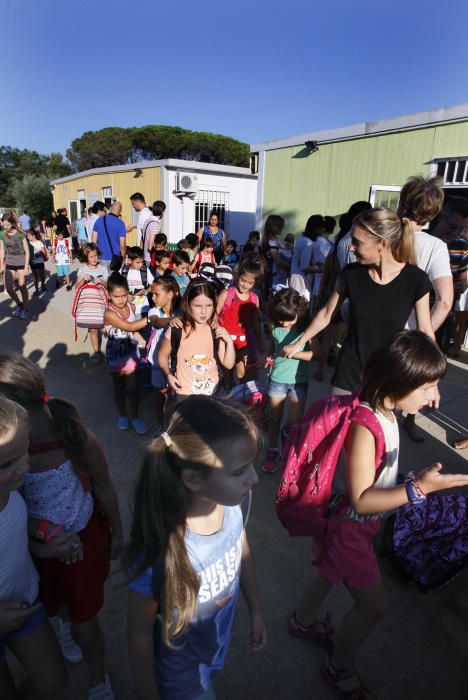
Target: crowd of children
(203, 320)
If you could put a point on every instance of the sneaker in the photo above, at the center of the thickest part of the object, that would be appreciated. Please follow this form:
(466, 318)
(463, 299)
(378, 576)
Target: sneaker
(103, 691)
(139, 426)
(124, 423)
(320, 631)
(17, 311)
(269, 465)
(69, 287)
(23, 315)
(69, 647)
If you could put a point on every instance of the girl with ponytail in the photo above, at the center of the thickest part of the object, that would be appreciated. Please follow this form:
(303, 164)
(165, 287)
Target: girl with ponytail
(67, 489)
(187, 543)
(383, 287)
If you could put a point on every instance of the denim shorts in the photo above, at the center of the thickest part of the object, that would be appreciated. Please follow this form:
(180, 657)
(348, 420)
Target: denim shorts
(30, 625)
(280, 390)
(63, 270)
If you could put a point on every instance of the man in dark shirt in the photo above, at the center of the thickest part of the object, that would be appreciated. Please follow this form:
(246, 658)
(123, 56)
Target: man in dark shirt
(62, 223)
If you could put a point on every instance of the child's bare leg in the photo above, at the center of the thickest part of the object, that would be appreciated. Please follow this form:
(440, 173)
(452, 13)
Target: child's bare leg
(95, 339)
(159, 402)
(274, 421)
(369, 608)
(88, 635)
(21, 278)
(133, 395)
(67, 279)
(41, 658)
(295, 410)
(315, 591)
(118, 384)
(10, 286)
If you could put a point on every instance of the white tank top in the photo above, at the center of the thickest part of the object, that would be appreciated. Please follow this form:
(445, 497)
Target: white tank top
(58, 495)
(18, 576)
(118, 333)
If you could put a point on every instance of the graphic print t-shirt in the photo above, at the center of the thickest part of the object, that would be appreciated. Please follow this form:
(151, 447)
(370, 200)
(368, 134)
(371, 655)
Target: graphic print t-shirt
(197, 369)
(187, 672)
(61, 251)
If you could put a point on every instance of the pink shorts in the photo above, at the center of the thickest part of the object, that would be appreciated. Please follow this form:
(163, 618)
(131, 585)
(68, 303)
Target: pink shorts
(345, 552)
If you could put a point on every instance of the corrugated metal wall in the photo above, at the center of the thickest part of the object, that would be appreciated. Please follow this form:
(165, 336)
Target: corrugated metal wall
(298, 184)
(123, 184)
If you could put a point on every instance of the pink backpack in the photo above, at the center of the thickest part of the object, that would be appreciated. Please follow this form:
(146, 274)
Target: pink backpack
(89, 305)
(310, 457)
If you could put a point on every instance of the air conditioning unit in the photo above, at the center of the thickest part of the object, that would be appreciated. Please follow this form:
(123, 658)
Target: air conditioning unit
(187, 182)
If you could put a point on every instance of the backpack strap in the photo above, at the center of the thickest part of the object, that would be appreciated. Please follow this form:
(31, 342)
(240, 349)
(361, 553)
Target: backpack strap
(365, 416)
(176, 337)
(144, 276)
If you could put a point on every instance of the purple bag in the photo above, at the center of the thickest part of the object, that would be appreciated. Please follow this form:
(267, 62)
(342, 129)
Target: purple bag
(430, 539)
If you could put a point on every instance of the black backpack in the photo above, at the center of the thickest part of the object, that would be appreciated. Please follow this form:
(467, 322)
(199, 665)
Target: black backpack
(143, 273)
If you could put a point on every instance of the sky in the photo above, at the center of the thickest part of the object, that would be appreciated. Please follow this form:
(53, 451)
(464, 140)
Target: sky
(251, 69)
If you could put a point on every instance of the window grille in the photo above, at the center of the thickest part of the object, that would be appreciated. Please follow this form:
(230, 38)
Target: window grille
(453, 171)
(208, 200)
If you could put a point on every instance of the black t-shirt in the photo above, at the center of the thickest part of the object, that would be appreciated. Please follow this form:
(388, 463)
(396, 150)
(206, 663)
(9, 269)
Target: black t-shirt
(61, 223)
(376, 313)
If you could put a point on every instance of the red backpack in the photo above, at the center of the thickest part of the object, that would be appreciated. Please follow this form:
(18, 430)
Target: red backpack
(89, 305)
(310, 457)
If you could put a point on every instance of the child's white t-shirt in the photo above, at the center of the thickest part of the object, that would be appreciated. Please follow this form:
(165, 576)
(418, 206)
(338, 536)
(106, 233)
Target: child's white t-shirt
(93, 272)
(61, 252)
(134, 280)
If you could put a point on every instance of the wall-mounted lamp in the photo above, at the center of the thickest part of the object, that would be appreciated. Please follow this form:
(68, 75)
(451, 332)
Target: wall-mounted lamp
(52, 188)
(138, 172)
(311, 146)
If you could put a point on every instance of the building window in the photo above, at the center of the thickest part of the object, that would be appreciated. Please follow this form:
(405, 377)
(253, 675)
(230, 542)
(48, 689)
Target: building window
(205, 202)
(453, 171)
(81, 197)
(385, 196)
(107, 196)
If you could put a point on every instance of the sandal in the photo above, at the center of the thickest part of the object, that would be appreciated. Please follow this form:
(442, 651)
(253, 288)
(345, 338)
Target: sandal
(460, 444)
(321, 631)
(341, 679)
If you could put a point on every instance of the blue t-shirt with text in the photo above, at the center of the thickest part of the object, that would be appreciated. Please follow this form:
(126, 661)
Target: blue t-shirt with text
(185, 673)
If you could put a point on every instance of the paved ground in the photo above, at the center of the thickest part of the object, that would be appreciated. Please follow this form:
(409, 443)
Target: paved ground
(419, 651)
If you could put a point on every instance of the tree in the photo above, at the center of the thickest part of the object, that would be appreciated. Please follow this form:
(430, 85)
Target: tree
(118, 146)
(33, 193)
(16, 163)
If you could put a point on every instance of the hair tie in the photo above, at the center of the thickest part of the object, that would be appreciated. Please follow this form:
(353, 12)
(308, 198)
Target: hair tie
(46, 398)
(166, 439)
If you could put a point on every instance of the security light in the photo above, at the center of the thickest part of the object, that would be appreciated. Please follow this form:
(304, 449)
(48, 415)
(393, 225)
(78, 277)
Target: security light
(311, 146)
(138, 172)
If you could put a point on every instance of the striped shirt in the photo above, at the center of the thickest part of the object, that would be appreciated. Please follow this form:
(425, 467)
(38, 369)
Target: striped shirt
(18, 576)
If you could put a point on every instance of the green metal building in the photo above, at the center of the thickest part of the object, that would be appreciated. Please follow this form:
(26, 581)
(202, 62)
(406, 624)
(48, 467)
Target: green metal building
(324, 172)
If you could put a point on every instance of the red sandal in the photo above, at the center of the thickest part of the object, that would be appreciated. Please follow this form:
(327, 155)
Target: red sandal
(320, 631)
(335, 676)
